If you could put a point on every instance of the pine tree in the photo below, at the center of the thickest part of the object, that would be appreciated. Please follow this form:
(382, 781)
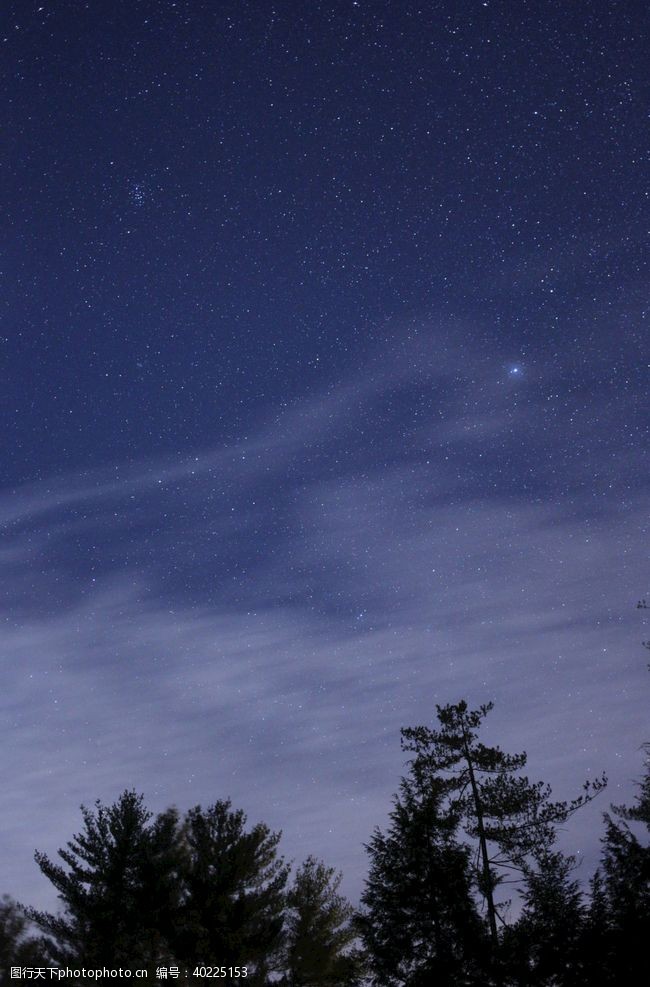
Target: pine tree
(597, 946)
(319, 934)
(626, 873)
(510, 820)
(624, 890)
(544, 947)
(17, 946)
(142, 892)
(419, 922)
(119, 888)
(233, 892)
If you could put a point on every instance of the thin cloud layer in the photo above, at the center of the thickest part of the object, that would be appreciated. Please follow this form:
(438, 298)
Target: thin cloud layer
(258, 621)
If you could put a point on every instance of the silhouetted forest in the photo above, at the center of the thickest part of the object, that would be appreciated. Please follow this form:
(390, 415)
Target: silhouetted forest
(205, 896)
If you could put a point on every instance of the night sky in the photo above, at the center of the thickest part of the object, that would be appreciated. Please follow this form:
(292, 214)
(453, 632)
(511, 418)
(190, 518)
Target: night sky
(323, 401)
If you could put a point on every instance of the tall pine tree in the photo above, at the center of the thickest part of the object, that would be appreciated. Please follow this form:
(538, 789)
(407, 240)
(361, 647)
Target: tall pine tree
(510, 821)
(119, 888)
(233, 884)
(625, 866)
(419, 922)
(543, 948)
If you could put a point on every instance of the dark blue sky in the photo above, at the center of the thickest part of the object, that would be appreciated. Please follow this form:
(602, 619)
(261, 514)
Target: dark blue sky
(324, 363)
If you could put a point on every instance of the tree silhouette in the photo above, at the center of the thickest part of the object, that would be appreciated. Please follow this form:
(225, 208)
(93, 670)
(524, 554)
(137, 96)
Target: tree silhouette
(17, 946)
(510, 820)
(544, 947)
(419, 922)
(625, 919)
(233, 884)
(319, 934)
(119, 889)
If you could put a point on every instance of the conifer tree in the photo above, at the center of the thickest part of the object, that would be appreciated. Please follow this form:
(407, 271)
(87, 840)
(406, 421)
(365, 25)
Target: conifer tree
(419, 922)
(544, 947)
(510, 820)
(233, 883)
(119, 888)
(597, 947)
(17, 946)
(622, 916)
(142, 892)
(626, 879)
(319, 935)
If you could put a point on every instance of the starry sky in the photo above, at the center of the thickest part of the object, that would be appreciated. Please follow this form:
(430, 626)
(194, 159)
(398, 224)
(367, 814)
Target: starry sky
(322, 400)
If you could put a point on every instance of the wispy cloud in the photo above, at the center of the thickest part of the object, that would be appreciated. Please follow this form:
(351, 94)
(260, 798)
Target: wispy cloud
(197, 628)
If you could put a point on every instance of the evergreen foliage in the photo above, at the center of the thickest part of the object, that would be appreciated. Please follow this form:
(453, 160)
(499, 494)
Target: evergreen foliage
(626, 880)
(510, 821)
(17, 946)
(233, 883)
(544, 947)
(420, 924)
(119, 890)
(140, 891)
(466, 820)
(319, 934)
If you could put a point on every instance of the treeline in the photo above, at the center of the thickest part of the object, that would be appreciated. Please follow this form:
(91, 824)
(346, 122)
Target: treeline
(467, 832)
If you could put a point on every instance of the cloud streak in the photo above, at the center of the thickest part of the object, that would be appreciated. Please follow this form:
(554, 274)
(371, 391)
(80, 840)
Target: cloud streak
(260, 620)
